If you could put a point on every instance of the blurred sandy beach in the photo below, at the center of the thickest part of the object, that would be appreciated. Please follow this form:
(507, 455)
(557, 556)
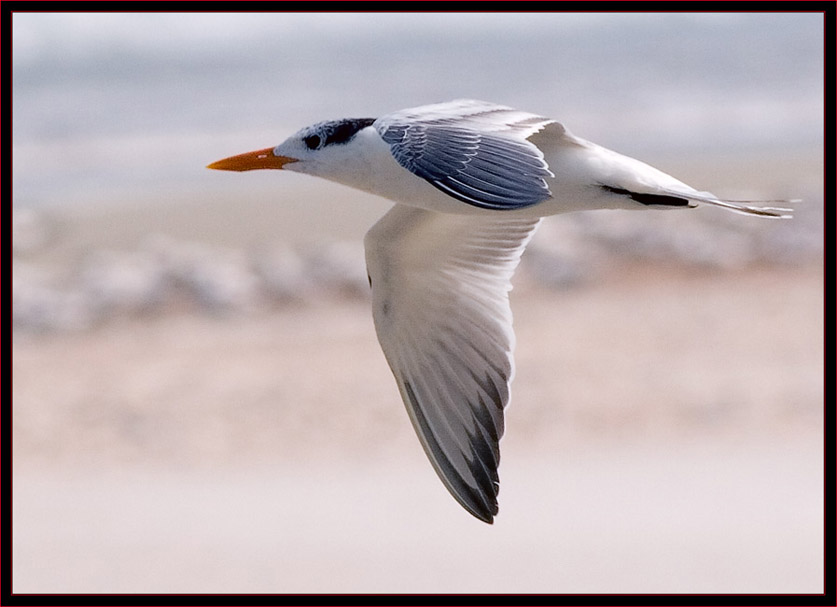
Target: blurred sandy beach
(200, 404)
(665, 435)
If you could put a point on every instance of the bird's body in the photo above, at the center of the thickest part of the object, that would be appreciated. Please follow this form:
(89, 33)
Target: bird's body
(471, 181)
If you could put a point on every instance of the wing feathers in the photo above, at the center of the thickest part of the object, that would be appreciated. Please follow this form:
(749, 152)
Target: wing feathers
(440, 303)
(473, 151)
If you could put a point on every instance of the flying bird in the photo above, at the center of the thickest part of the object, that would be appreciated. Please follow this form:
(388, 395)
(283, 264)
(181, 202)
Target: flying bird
(471, 181)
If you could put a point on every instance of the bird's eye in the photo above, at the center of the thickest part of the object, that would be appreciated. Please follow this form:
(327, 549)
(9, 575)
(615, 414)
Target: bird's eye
(312, 141)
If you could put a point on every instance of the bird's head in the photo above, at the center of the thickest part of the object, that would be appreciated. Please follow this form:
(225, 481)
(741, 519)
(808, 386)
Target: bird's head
(320, 149)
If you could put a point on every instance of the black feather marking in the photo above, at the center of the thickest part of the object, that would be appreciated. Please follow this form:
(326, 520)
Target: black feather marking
(649, 199)
(482, 505)
(345, 130)
(333, 132)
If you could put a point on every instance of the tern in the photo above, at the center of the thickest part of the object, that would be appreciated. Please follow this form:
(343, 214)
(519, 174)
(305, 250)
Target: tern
(471, 181)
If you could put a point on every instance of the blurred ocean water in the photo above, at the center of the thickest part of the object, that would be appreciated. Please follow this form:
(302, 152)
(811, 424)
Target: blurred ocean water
(119, 106)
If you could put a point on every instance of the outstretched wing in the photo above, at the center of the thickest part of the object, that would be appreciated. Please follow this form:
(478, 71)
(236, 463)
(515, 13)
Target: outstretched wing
(474, 151)
(440, 304)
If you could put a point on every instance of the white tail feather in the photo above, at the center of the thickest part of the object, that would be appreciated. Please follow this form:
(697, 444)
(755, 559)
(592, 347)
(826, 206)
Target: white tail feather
(745, 207)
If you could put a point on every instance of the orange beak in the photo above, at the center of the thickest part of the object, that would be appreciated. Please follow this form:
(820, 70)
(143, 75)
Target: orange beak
(261, 159)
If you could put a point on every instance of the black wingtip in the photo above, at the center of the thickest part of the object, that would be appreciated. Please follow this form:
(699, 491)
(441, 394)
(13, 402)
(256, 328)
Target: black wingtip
(486, 516)
(484, 512)
(487, 510)
(482, 515)
(481, 502)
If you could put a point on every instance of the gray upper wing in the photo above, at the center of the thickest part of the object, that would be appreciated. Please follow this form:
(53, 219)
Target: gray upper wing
(484, 168)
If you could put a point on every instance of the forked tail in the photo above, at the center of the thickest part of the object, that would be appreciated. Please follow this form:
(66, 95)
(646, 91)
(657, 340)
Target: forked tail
(665, 197)
(746, 207)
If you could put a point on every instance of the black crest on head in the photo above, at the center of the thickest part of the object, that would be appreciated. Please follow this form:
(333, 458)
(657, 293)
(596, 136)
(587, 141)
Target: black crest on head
(334, 132)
